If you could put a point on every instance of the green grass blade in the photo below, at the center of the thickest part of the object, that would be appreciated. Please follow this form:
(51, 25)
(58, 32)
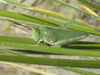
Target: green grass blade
(51, 49)
(44, 21)
(28, 18)
(46, 13)
(83, 49)
(75, 7)
(16, 4)
(68, 68)
(97, 0)
(18, 40)
(11, 52)
(31, 52)
(59, 16)
(80, 71)
(28, 7)
(84, 29)
(52, 62)
(82, 45)
(89, 4)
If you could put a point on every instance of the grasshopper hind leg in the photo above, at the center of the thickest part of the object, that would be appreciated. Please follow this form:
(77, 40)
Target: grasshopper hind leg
(48, 45)
(59, 46)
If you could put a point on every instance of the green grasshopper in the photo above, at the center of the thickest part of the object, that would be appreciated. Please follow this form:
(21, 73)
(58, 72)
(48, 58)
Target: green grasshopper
(56, 36)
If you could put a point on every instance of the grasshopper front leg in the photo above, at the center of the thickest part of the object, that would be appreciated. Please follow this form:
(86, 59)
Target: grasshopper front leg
(39, 42)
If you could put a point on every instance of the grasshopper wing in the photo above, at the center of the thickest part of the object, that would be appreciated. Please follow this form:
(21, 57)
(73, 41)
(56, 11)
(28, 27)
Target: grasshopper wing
(67, 36)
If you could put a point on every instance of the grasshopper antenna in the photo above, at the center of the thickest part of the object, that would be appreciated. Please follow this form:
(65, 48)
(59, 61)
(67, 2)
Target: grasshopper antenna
(19, 24)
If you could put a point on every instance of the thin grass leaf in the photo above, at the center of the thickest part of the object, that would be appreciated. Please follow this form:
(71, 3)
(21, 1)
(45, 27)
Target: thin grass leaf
(49, 12)
(29, 52)
(43, 12)
(45, 21)
(89, 10)
(80, 71)
(52, 62)
(22, 44)
(28, 7)
(89, 4)
(36, 70)
(82, 45)
(28, 18)
(7, 51)
(16, 4)
(79, 44)
(51, 49)
(28, 68)
(26, 23)
(91, 44)
(75, 8)
(57, 15)
(72, 10)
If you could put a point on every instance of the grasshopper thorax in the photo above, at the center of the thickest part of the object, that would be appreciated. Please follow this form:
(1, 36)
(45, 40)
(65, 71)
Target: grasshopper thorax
(35, 34)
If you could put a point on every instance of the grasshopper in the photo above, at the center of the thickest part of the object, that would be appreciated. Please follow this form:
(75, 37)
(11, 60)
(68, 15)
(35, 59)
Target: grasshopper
(56, 36)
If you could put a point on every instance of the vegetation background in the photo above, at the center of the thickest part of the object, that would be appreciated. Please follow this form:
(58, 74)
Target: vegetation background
(47, 5)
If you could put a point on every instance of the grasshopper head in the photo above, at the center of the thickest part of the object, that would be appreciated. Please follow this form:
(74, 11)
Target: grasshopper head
(35, 34)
